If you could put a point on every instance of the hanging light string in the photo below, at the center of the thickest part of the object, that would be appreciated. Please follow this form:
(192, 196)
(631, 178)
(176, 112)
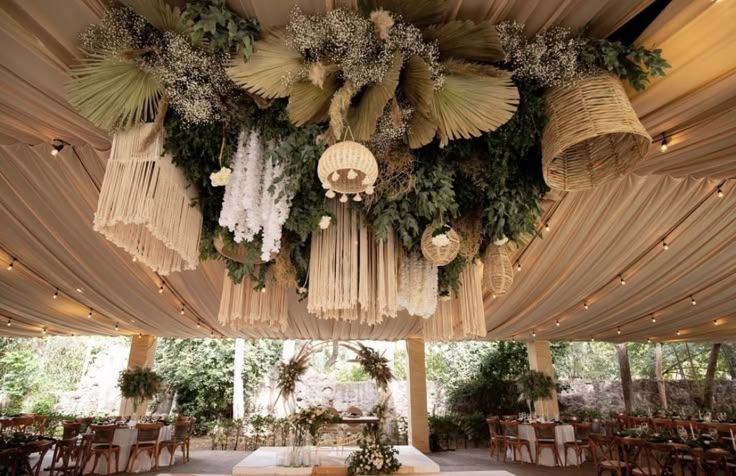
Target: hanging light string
(186, 310)
(619, 278)
(664, 139)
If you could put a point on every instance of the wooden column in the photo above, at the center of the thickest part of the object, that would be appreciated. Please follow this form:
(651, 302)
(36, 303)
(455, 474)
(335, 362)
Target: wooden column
(142, 353)
(540, 359)
(417, 381)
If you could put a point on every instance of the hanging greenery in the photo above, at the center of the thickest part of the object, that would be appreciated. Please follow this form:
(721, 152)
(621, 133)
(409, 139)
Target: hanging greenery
(139, 384)
(219, 29)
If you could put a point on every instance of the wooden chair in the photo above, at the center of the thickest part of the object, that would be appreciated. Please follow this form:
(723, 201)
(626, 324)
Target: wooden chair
(663, 424)
(179, 439)
(513, 441)
(606, 455)
(146, 441)
(716, 460)
(38, 447)
(86, 422)
(580, 443)
(64, 449)
(546, 436)
(102, 445)
(658, 460)
(496, 443)
(10, 459)
(21, 424)
(39, 424)
(76, 455)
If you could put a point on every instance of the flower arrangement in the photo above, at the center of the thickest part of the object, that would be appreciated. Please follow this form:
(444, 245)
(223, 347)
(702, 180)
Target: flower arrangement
(139, 384)
(373, 457)
(311, 420)
(291, 372)
(376, 365)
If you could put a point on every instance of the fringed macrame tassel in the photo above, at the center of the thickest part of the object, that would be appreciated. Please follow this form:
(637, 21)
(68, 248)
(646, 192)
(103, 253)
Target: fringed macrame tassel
(145, 205)
(462, 316)
(243, 308)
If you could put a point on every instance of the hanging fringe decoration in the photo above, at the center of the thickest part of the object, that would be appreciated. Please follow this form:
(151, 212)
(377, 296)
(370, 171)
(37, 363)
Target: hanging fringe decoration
(353, 277)
(242, 307)
(417, 286)
(462, 316)
(145, 204)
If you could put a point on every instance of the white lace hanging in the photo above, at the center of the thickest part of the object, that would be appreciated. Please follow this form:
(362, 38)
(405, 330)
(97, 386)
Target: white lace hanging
(417, 286)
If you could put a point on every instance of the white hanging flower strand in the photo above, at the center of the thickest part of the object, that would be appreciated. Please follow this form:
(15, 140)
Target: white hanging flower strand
(417, 286)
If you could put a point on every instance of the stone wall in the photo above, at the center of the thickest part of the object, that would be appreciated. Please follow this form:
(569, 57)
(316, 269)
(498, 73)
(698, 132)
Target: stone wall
(606, 395)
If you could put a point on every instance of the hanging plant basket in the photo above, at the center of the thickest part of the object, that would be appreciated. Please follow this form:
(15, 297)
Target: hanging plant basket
(592, 134)
(440, 251)
(498, 273)
(348, 168)
(242, 253)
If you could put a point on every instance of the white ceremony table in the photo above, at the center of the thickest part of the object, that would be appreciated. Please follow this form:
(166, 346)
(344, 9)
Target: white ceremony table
(563, 434)
(125, 439)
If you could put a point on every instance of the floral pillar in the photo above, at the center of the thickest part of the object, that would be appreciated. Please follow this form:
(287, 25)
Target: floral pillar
(142, 353)
(540, 359)
(417, 381)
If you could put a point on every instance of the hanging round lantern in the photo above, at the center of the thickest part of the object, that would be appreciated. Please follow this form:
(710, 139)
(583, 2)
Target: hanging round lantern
(498, 273)
(347, 168)
(440, 248)
(592, 134)
(242, 253)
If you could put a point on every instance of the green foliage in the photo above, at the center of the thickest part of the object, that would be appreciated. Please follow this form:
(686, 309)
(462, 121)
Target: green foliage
(534, 385)
(448, 276)
(219, 29)
(352, 373)
(634, 64)
(450, 428)
(139, 384)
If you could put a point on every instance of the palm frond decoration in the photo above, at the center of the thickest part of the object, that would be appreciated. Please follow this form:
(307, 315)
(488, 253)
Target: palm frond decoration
(291, 372)
(159, 14)
(421, 130)
(465, 39)
(375, 364)
(418, 12)
(417, 83)
(112, 93)
(269, 68)
(309, 103)
(364, 116)
(470, 103)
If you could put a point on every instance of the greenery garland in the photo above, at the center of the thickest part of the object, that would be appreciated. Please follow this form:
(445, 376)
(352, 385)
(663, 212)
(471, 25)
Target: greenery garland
(139, 384)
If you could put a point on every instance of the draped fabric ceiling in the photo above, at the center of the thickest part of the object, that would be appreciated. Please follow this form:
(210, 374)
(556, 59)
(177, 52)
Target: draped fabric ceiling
(595, 238)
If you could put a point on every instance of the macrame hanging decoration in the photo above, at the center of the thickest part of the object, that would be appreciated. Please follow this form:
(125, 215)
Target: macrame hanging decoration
(145, 203)
(498, 273)
(242, 307)
(417, 286)
(348, 168)
(462, 316)
(254, 201)
(352, 276)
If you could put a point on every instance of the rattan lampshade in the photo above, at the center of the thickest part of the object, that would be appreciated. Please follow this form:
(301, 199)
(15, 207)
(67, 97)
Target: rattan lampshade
(498, 273)
(347, 168)
(440, 255)
(241, 253)
(592, 134)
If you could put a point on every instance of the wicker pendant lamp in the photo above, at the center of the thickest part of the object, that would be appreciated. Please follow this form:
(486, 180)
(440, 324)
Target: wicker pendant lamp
(498, 273)
(243, 308)
(347, 168)
(463, 315)
(592, 134)
(145, 204)
(440, 252)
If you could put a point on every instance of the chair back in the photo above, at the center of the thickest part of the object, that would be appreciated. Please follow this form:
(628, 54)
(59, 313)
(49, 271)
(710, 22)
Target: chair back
(605, 448)
(355, 411)
(544, 431)
(86, 422)
(70, 430)
(147, 432)
(582, 431)
(663, 424)
(494, 427)
(181, 430)
(659, 457)
(510, 428)
(10, 459)
(637, 421)
(103, 434)
(39, 423)
(21, 423)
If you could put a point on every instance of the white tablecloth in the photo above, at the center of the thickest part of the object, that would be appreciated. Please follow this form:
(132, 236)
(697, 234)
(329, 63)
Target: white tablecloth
(563, 434)
(125, 439)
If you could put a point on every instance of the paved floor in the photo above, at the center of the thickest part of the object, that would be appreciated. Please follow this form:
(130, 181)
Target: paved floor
(222, 462)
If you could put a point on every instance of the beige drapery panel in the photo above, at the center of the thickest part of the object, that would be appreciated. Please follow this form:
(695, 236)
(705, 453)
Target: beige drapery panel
(47, 205)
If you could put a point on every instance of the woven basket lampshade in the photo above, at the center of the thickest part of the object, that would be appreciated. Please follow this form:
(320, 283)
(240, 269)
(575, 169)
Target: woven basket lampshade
(592, 134)
(241, 253)
(440, 255)
(498, 273)
(348, 168)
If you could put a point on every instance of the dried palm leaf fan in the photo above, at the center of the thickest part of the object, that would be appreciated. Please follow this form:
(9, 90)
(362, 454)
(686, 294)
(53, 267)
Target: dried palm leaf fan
(145, 203)
(592, 134)
(463, 315)
(347, 168)
(242, 253)
(440, 248)
(498, 273)
(242, 307)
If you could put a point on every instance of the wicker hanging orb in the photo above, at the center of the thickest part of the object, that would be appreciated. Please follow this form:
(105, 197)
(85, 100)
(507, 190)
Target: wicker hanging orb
(347, 168)
(498, 273)
(440, 251)
(592, 134)
(242, 253)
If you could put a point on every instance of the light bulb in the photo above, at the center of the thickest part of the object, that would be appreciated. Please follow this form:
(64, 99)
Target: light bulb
(212, 333)
(557, 323)
(618, 331)
(534, 333)
(665, 246)
(263, 289)
(54, 152)
(57, 145)
(518, 266)
(585, 306)
(513, 338)
(654, 319)
(720, 193)
(161, 289)
(592, 339)
(678, 332)
(546, 227)
(43, 330)
(623, 281)
(140, 336)
(198, 326)
(493, 296)
(89, 314)
(715, 322)
(56, 293)
(692, 300)
(80, 290)
(182, 311)
(117, 327)
(649, 339)
(663, 147)
(10, 265)
(9, 323)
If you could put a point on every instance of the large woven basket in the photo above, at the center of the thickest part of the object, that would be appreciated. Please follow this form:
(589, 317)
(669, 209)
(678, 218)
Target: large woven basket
(592, 134)
(440, 255)
(340, 160)
(498, 273)
(241, 253)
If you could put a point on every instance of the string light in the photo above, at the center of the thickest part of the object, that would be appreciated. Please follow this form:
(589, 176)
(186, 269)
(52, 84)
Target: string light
(57, 145)
(678, 332)
(89, 314)
(493, 296)
(621, 278)
(9, 323)
(117, 327)
(654, 319)
(557, 323)
(43, 330)
(140, 336)
(10, 265)
(618, 331)
(56, 293)
(135, 258)
(692, 300)
(198, 325)
(513, 338)
(161, 289)
(585, 305)
(715, 322)
(649, 339)
(663, 147)
(546, 227)
(212, 333)
(665, 246)
(518, 266)
(182, 311)
(80, 290)
(592, 339)
(719, 193)
(263, 289)
(534, 333)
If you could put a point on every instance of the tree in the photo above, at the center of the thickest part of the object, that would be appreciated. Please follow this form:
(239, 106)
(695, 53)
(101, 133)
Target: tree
(660, 378)
(625, 369)
(238, 394)
(710, 374)
(535, 386)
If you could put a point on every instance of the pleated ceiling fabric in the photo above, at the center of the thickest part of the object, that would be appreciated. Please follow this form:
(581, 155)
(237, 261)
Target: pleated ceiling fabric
(47, 204)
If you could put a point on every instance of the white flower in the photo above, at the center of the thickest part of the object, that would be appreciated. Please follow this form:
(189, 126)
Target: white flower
(324, 222)
(221, 177)
(441, 240)
(502, 241)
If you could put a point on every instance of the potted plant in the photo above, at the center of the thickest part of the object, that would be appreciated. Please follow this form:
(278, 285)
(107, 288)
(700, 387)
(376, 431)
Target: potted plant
(535, 385)
(139, 384)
